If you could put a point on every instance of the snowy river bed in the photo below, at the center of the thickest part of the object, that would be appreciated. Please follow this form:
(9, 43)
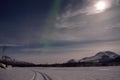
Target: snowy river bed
(80, 73)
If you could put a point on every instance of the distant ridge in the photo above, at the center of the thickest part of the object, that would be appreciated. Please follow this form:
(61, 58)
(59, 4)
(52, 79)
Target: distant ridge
(104, 56)
(8, 61)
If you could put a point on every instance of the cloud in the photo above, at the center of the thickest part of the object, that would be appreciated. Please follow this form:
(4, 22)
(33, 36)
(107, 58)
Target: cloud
(69, 50)
(76, 33)
(10, 45)
(87, 9)
(76, 46)
(88, 27)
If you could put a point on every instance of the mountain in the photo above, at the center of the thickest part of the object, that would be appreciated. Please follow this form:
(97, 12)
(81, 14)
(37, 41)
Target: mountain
(105, 56)
(12, 62)
(72, 61)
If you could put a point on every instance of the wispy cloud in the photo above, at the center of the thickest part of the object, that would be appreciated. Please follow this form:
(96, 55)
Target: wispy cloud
(62, 53)
(77, 31)
(10, 45)
(76, 46)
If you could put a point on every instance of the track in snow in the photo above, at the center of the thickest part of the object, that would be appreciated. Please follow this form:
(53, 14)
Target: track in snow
(40, 76)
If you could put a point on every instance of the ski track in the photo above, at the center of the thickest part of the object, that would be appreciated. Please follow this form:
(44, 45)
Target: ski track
(43, 75)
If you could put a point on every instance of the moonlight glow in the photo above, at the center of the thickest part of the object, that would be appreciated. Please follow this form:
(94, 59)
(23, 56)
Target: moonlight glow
(100, 5)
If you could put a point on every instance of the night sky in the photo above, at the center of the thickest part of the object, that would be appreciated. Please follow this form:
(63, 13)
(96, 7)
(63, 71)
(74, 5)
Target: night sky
(50, 31)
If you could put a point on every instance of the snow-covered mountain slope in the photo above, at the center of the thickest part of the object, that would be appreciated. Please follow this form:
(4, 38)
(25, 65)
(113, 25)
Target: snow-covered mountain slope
(104, 56)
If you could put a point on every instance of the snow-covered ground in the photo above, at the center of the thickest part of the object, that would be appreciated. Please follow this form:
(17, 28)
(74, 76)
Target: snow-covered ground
(81, 73)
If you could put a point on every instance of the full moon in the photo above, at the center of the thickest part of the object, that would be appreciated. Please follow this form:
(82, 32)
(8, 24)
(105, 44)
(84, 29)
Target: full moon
(100, 5)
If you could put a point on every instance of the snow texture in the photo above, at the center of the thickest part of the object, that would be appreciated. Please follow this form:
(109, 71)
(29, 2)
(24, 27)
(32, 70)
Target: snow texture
(81, 73)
